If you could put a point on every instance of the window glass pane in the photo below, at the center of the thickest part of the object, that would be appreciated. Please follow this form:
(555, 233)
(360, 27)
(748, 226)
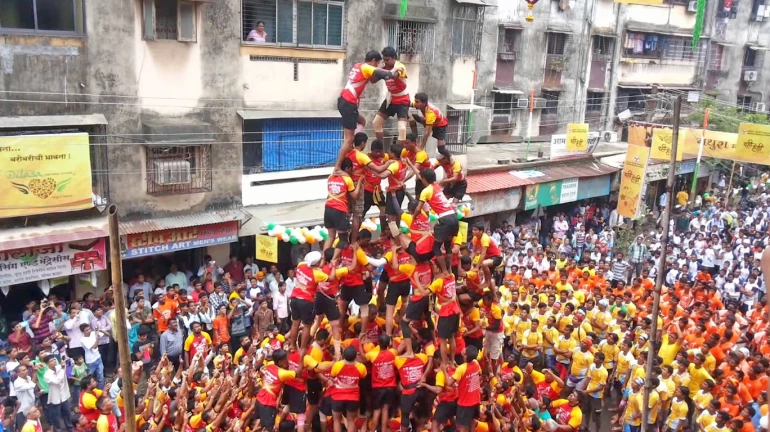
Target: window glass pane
(165, 19)
(335, 26)
(55, 15)
(187, 21)
(457, 37)
(17, 14)
(319, 24)
(254, 12)
(285, 30)
(304, 23)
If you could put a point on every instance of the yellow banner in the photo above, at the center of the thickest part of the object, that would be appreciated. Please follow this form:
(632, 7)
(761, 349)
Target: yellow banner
(631, 181)
(462, 235)
(637, 135)
(577, 137)
(661, 144)
(753, 143)
(45, 174)
(267, 248)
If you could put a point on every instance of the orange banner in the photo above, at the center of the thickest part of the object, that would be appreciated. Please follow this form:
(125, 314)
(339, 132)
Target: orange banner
(632, 180)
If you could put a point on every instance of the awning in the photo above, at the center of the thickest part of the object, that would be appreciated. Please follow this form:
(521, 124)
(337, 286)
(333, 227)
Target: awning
(271, 114)
(472, 2)
(616, 161)
(575, 170)
(507, 91)
(52, 121)
(494, 181)
(60, 232)
(757, 47)
(184, 221)
(464, 107)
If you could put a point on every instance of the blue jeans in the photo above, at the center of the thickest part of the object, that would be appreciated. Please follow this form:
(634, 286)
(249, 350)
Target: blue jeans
(97, 370)
(75, 393)
(58, 413)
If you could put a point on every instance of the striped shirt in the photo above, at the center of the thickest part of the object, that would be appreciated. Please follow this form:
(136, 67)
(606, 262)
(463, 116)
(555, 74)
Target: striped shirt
(619, 270)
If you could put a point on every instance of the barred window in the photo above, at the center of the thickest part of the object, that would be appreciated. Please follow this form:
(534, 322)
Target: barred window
(178, 169)
(594, 102)
(413, 40)
(467, 26)
(316, 23)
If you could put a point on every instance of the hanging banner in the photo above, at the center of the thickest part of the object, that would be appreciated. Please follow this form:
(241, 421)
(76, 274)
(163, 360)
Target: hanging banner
(577, 137)
(753, 143)
(462, 234)
(45, 174)
(559, 146)
(547, 194)
(267, 248)
(661, 144)
(631, 181)
(52, 261)
(171, 240)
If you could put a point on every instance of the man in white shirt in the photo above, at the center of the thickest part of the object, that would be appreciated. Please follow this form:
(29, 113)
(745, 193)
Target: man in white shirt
(140, 285)
(25, 392)
(210, 266)
(176, 277)
(78, 317)
(58, 394)
(281, 305)
(90, 342)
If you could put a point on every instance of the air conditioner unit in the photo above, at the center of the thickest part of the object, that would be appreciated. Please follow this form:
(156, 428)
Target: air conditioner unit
(610, 136)
(540, 103)
(692, 6)
(761, 13)
(522, 103)
(171, 172)
(750, 76)
(758, 106)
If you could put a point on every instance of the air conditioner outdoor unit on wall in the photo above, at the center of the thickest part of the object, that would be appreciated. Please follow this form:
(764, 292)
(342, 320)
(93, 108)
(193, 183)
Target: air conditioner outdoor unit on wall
(692, 6)
(171, 172)
(610, 136)
(750, 76)
(522, 103)
(540, 103)
(758, 107)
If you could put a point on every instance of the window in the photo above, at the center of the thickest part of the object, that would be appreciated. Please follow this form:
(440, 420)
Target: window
(467, 25)
(413, 40)
(744, 103)
(458, 133)
(310, 24)
(42, 16)
(603, 47)
(594, 102)
(556, 43)
(642, 45)
(178, 169)
(679, 48)
(170, 20)
(503, 103)
(551, 102)
(715, 57)
(749, 57)
(507, 43)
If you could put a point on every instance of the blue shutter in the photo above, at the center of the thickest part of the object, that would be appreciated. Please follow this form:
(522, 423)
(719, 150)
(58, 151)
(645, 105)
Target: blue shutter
(290, 144)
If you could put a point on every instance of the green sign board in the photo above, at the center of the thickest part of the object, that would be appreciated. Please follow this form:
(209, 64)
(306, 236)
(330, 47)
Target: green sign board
(552, 193)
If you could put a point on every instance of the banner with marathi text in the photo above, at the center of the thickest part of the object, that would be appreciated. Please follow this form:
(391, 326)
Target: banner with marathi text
(577, 137)
(661, 144)
(52, 261)
(267, 248)
(753, 143)
(631, 181)
(44, 174)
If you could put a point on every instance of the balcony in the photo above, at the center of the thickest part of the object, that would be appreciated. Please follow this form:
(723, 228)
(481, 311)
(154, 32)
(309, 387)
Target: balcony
(554, 65)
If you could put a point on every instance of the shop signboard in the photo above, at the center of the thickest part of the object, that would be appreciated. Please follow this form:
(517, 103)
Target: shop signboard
(754, 143)
(52, 261)
(660, 171)
(591, 187)
(176, 239)
(551, 193)
(569, 191)
(496, 201)
(559, 146)
(267, 248)
(45, 174)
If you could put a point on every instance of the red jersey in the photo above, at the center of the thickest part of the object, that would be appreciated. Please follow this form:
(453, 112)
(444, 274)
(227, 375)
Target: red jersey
(300, 382)
(469, 384)
(445, 290)
(402, 257)
(338, 188)
(348, 378)
(371, 179)
(421, 234)
(410, 371)
(433, 116)
(489, 243)
(356, 277)
(383, 368)
(329, 288)
(423, 273)
(307, 279)
(105, 422)
(397, 93)
(398, 174)
(434, 196)
(470, 320)
(358, 78)
(360, 161)
(273, 379)
(448, 393)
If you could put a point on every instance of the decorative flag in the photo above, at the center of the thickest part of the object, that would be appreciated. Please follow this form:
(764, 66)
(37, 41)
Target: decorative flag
(404, 6)
(631, 181)
(696, 30)
(753, 143)
(661, 144)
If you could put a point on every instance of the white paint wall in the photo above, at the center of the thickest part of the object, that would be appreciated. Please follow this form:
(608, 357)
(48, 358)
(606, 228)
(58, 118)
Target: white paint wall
(272, 83)
(676, 16)
(462, 78)
(661, 72)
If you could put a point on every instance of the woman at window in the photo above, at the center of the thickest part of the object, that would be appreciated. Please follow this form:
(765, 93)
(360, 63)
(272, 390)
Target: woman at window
(258, 34)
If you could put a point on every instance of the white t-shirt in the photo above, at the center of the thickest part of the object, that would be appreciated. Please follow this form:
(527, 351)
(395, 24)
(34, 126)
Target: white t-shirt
(92, 354)
(709, 258)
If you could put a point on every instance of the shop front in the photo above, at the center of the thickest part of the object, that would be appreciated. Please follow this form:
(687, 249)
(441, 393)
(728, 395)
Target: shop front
(657, 174)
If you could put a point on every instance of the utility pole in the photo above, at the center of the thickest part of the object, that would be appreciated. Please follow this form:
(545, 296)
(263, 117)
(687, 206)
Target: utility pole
(730, 184)
(700, 154)
(120, 310)
(666, 222)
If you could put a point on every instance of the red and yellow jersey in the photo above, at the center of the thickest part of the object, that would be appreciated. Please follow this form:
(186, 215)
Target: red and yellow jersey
(445, 290)
(348, 376)
(434, 196)
(300, 382)
(383, 367)
(410, 371)
(356, 277)
(486, 242)
(420, 272)
(360, 161)
(195, 344)
(397, 92)
(421, 234)
(470, 320)
(105, 423)
(494, 315)
(564, 413)
(358, 78)
(543, 387)
(330, 288)
(371, 179)
(397, 176)
(454, 170)
(307, 282)
(87, 404)
(433, 116)
(468, 376)
(337, 188)
(419, 158)
(402, 258)
(273, 379)
(448, 393)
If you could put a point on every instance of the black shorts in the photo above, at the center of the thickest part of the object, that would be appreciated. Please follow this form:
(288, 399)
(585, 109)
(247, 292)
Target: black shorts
(390, 203)
(448, 326)
(396, 290)
(407, 405)
(445, 411)
(373, 199)
(390, 110)
(302, 310)
(384, 277)
(472, 341)
(446, 229)
(439, 133)
(266, 414)
(295, 399)
(466, 415)
(360, 294)
(416, 310)
(335, 219)
(349, 113)
(383, 396)
(314, 390)
(474, 296)
(420, 257)
(496, 261)
(344, 406)
(325, 407)
(325, 305)
(456, 190)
